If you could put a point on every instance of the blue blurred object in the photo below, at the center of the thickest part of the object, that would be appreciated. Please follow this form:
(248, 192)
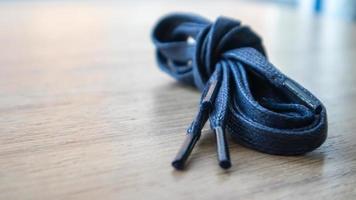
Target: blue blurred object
(318, 5)
(342, 9)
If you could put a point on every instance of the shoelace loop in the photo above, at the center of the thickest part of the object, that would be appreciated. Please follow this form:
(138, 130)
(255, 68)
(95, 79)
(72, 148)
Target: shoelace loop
(242, 92)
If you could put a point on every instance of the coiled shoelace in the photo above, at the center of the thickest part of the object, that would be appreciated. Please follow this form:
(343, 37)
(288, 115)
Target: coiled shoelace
(242, 92)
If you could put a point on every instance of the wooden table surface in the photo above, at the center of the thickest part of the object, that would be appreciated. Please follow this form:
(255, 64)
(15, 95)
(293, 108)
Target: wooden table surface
(86, 114)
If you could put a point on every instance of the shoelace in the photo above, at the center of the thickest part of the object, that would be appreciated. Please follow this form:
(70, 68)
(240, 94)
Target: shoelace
(242, 92)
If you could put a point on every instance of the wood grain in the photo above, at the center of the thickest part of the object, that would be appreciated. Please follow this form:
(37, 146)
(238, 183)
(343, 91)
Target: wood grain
(86, 114)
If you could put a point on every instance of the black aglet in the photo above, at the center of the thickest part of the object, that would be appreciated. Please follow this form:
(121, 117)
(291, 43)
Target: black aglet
(222, 148)
(297, 92)
(184, 152)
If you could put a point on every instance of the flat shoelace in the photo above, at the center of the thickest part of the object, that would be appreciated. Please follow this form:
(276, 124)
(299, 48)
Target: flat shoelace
(242, 92)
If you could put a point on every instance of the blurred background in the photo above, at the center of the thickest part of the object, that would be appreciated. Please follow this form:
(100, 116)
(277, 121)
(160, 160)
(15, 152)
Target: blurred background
(344, 9)
(55, 37)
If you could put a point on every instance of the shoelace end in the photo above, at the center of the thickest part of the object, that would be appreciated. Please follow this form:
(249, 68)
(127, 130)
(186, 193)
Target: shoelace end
(222, 148)
(184, 152)
(302, 96)
(178, 164)
(225, 164)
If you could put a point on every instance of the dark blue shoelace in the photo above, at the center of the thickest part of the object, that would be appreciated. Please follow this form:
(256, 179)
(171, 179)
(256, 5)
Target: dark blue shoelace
(242, 92)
